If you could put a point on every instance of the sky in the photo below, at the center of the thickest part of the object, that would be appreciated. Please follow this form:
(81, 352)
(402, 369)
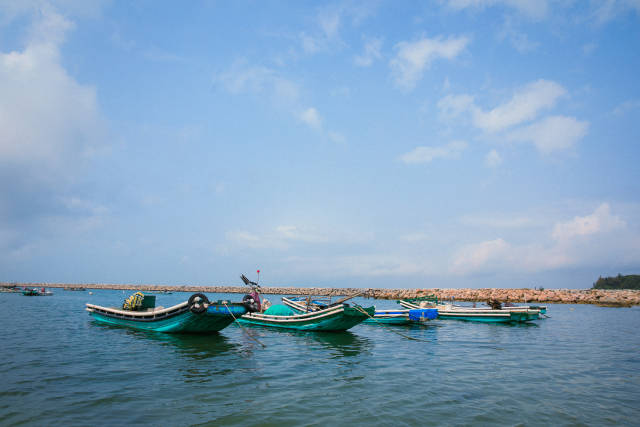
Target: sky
(433, 144)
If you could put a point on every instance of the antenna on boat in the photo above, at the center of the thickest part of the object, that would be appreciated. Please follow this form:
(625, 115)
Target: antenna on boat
(258, 276)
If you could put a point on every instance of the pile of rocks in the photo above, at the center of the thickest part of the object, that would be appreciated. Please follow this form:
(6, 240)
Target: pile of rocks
(624, 298)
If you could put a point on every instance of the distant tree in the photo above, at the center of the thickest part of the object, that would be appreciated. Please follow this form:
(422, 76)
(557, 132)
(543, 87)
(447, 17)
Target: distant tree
(631, 281)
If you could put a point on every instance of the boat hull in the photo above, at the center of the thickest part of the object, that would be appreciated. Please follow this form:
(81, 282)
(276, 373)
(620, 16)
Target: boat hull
(508, 317)
(338, 318)
(389, 317)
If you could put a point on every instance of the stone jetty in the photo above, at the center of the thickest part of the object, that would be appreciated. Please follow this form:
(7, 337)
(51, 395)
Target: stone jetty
(622, 298)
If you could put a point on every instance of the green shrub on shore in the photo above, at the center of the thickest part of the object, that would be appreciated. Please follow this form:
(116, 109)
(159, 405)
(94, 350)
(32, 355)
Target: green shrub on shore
(631, 281)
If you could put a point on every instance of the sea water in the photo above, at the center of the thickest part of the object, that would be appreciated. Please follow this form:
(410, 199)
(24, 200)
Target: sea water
(581, 366)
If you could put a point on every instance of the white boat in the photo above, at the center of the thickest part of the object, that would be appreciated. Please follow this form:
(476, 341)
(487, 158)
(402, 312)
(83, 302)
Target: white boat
(475, 314)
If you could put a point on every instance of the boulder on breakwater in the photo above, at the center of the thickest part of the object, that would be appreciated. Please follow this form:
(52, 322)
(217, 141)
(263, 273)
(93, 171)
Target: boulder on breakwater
(618, 298)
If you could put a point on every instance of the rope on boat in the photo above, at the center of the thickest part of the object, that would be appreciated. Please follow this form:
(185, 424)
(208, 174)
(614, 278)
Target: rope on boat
(242, 327)
(357, 307)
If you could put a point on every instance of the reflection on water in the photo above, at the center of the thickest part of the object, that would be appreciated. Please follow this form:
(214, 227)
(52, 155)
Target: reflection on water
(340, 344)
(197, 347)
(202, 357)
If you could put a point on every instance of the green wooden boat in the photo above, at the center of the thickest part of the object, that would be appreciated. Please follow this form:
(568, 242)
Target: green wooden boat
(301, 304)
(336, 318)
(389, 317)
(197, 315)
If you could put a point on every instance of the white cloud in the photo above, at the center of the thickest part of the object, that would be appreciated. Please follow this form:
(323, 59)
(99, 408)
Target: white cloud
(452, 106)
(243, 78)
(608, 10)
(368, 265)
(48, 121)
(427, 154)
(475, 257)
(337, 137)
(587, 240)
(246, 239)
(371, 53)
(533, 9)
(552, 133)
(283, 237)
(549, 134)
(299, 234)
(519, 40)
(311, 117)
(281, 92)
(496, 221)
(493, 159)
(525, 104)
(414, 57)
(10, 10)
(626, 106)
(329, 20)
(600, 221)
(311, 44)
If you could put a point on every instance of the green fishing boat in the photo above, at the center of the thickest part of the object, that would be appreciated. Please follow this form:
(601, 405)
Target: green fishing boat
(197, 315)
(302, 304)
(336, 318)
(389, 317)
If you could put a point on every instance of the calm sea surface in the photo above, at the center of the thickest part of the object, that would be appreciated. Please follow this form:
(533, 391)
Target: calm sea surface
(57, 367)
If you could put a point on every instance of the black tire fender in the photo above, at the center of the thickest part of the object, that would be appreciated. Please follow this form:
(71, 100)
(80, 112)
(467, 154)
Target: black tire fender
(198, 303)
(250, 303)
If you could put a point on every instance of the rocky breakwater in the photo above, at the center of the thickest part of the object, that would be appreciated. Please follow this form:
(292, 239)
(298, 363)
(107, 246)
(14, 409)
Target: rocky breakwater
(618, 298)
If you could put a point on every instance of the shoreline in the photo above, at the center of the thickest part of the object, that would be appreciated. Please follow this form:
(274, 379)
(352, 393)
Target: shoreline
(603, 297)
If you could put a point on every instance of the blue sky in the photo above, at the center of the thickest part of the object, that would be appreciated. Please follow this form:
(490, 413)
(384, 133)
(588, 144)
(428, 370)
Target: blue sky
(463, 143)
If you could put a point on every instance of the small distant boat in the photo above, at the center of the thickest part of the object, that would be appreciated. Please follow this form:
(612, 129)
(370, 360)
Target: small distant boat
(303, 304)
(197, 315)
(35, 292)
(473, 314)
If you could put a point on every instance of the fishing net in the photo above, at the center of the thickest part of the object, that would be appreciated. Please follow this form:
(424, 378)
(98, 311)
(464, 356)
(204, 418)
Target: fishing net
(134, 302)
(279, 310)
